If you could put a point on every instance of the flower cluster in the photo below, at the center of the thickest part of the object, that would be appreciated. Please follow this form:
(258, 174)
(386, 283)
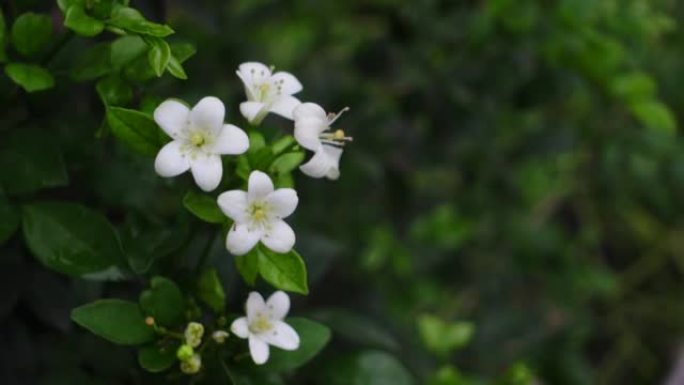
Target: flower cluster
(200, 137)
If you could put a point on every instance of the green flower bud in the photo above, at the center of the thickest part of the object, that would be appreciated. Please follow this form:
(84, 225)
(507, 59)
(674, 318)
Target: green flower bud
(219, 336)
(191, 366)
(193, 334)
(185, 353)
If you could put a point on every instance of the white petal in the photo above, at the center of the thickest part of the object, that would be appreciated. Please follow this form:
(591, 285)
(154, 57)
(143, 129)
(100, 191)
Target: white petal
(279, 237)
(207, 171)
(240, 327)
(278, 304)
(252, 73)
(255, 304)
(241, 240)
(259, 186)
(172, 116)
(171, 161)
(288, 83)
(310, 110)
(233, 203)
(254, 112)
(208, 114)
(282, 336)
(258, 349)
(284, 106)
(231, 140)
(307, 130)
(324, 163)
(283, 201)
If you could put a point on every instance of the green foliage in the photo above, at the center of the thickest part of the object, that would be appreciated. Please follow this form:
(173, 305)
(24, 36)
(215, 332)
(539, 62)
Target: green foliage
(283, 271)
(441, 337)
(31, 33)
(210, 290)
(117, 321)
(80, 22)
(135, 129)
(163, 301)
(11, 218)
(129, 19)
(156, 359)
(30, 77)
(203, 207)
(367, 367)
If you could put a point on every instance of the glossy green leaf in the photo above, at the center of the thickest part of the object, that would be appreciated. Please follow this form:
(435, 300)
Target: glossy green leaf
(135, 129)
(248, 266)
(131, 20)
(158, 55)
(31, 33)
(117, 321)
(126, 49)
(283, 271)
(164, 302)
(70, 238)
(156, 359)
(203, 207)
(30, 77)
(176, 69)
(80, 22)
(287, 162)
(210, 290)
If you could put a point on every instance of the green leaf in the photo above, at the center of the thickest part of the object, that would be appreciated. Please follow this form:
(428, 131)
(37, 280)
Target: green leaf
(126, 49)
(115, 320)
(131, 20)
(248, 266)
(65, 4)
(164, 302)
(183, 51)
(77, 20)
(31, 33)
(633, 87)
(357, 328)
(287, 162)
(283, 144)
(366, 368)
(283, 271)
(210, 290)
(176, 69)
(441, 337)
(92, 64)
(3, 33)
(30, 160)
(656, 116)
(158, 55)
(114, 91)
(30, 77)
(70, 238)
(9, 219)
(135, 129)
(313, 336)
(156, 359)
(203, 207)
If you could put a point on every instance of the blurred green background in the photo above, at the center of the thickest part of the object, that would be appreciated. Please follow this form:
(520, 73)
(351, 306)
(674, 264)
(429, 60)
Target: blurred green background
(509, 210)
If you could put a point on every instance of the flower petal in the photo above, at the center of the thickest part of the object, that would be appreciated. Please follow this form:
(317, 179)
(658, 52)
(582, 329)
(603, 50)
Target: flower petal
(172, 116)
(240, 327)
(208, 114)
(278, 304)
(207, 171)
(233, 203)
(283, 201)
(279, 237)
(171, 161)
(241, 240)
(258, 349)
(251, 74)
(288, 83)
(258, 186)
(324, 163)
(282, 336)
(310, 110)
(255, 305)
(231, 140)
(284, 106)
(254, 112)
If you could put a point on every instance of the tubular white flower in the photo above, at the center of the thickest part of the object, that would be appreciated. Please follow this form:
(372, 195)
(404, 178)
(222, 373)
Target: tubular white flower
(258, 214)
(264, 326)
(267, 92)
(200, 137)
(312, 131)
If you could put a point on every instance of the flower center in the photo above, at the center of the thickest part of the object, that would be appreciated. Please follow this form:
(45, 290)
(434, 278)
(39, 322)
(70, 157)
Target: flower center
(259, 215)
(261, 324)
(258, 211)
(197, 139)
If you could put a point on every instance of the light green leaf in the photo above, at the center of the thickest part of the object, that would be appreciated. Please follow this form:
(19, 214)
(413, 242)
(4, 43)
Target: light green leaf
(156, 359)
(441, 337)
(31, 33)
(210, 290)
(204, 207)
(70, 238)
(313, 336)
(77, 20)
(656, 116)
(183, 51)
(131, 20)
(65, 4)
(117, 321)
(164, 302)
(283, 144)
(135, 129)
(114, 91)
(283, 271)
(30, 77)
(158, 55)
(175, 68)
(126, 49)
(287, 162)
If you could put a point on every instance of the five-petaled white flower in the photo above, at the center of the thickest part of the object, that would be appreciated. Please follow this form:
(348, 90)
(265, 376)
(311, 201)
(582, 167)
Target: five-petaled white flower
(200, 137)
(258, 215)
(264, 325)
(312, 131)
(267, 92)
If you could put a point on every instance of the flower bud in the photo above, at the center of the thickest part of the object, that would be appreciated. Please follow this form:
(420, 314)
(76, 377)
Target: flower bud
(149, 321)
(193, 334)
(185, 353)
(191, 366)
(220, 336)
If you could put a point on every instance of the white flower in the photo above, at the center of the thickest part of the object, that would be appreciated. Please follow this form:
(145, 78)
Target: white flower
(219, 336)
(267, 92)
(258, 215)
(264, 325)
(312, 131)
(199, 139)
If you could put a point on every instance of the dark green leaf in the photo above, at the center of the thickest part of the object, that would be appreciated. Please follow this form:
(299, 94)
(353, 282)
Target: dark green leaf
(9, 219)
(283, 271)
(135, 129)
(131, 20)
(31, 33)
(366, 368)
(357, 328)
(313, 336)
(126, 49)
(77, 20)
(30, 77)
(210, 290)
(164, 302)
(117, 321)
(203, 207)
(3, 35)
(248, 266)
(70, 238)
(156, 359)
(182, 51)
(114, 91)
(158, 55)
(93, 63)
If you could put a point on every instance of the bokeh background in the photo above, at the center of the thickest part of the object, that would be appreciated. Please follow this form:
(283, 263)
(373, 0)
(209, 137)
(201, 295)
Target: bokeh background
(509, 211)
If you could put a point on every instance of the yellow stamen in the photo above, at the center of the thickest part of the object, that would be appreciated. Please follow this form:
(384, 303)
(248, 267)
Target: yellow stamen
(197, 139)
(260, 324)
(259, 214)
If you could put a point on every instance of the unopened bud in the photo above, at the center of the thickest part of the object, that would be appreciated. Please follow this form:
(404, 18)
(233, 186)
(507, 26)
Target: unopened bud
(193, 334)
(220, 336)
(191, 366)
(185, 353)
(149, 321)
